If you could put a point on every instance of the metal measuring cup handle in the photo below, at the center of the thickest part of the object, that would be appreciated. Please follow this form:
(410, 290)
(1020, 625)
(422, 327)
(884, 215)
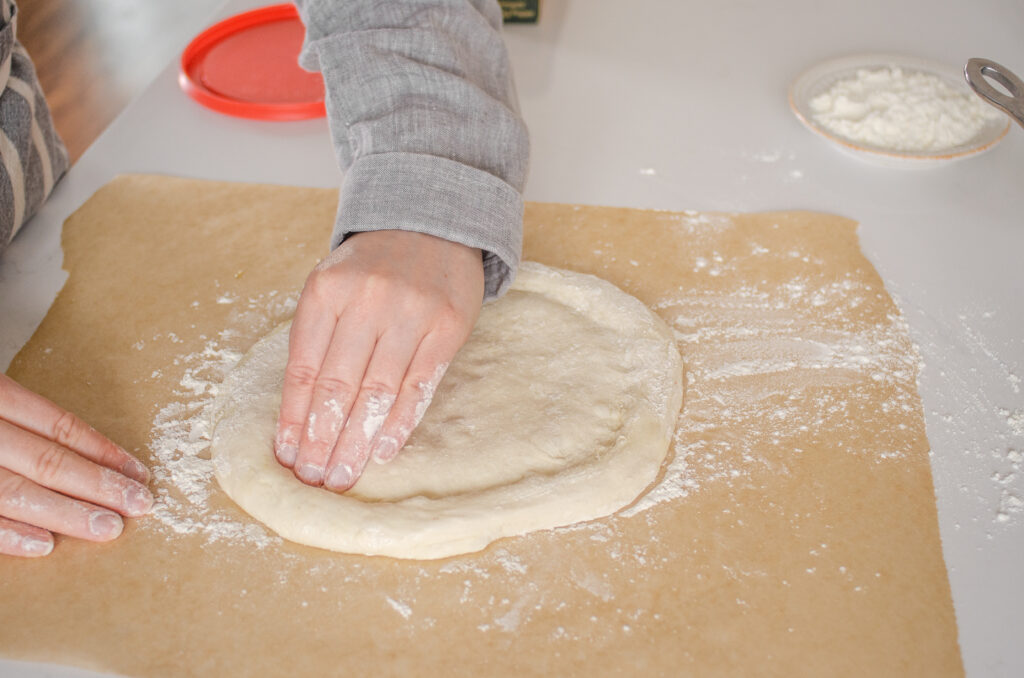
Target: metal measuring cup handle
(976, 71)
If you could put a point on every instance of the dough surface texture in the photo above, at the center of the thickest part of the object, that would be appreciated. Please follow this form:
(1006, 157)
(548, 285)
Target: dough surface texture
(559, 409)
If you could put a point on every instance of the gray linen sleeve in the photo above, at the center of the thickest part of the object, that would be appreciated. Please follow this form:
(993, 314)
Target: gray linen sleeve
(425, 122)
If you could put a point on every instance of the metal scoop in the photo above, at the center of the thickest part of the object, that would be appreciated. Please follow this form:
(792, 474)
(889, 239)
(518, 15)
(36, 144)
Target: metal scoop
(976, 72)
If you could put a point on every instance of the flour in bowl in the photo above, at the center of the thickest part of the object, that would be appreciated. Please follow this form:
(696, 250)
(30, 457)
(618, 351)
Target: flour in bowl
(901, 110)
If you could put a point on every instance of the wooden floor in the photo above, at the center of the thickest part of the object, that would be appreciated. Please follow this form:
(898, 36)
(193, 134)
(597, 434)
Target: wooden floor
(94, 56)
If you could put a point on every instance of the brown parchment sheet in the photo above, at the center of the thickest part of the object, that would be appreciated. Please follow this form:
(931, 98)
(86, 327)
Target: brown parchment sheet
(793, 531)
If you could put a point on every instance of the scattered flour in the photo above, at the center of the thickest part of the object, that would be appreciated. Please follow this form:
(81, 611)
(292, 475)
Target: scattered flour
(510, 563)
(754, 352)
(398, 606)
(180, 435)
(978, 412)
(1014, 420)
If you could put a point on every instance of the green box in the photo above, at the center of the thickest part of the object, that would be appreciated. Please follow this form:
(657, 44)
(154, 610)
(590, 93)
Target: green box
(520, 11)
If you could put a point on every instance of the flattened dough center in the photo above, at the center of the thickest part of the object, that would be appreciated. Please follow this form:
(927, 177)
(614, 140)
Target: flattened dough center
(559, 409)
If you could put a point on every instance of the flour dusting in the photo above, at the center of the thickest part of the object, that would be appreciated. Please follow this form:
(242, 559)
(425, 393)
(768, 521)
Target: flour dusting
(756, 353)
(180, 436)
(980, 418)
(398, 606)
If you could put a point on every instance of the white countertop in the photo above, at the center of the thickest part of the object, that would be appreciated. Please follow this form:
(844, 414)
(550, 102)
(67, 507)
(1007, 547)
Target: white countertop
(683, 106)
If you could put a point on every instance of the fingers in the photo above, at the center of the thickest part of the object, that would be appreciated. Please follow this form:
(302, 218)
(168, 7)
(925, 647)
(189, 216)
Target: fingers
(333, 396)
(308, 341)
(36, 414)
(425, 373)
(47, 464)
(381, 422)
(20, 539)
(58, 474)
(374, 322)
(23, 501)
(377, 395)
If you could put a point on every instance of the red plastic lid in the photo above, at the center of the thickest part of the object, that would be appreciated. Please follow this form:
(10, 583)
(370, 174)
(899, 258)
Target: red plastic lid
(247, 65)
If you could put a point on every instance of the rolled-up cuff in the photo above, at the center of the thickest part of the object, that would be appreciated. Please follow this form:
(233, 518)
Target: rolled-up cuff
(439, 197)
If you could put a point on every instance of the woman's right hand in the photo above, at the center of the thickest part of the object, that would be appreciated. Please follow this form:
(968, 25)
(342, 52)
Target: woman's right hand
(59, 475)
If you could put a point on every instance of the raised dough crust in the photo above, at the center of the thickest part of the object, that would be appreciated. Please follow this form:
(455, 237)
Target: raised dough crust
(559, 409)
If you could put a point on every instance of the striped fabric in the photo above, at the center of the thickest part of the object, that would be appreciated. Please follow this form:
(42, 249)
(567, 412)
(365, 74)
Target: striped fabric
(32, 156)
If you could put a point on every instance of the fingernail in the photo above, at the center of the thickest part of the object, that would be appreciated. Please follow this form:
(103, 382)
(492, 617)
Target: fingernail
(286, 445)
(140, 500)
(310, 474)
(105, 525)
(286, 454)
(385, 450)
(340, 478)
(136, 470)
(34, 546)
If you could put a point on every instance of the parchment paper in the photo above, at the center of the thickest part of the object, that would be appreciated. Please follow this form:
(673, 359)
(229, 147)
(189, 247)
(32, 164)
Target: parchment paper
(793, 532)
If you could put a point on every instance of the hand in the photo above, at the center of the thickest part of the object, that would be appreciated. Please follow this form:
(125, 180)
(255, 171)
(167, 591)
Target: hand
(57, 474)
(375, 328)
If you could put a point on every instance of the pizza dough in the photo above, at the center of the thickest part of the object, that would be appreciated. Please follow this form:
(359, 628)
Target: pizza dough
(560, 408)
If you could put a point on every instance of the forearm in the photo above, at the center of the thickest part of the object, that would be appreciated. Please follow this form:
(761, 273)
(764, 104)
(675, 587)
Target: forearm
(423, 113)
